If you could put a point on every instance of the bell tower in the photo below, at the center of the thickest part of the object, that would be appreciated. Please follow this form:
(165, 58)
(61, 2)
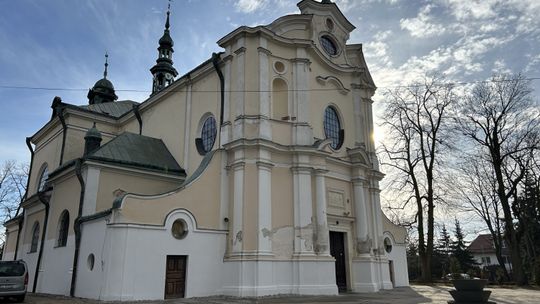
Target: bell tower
(163, 71)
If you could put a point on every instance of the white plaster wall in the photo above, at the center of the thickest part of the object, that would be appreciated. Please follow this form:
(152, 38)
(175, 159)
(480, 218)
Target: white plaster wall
(260, 278)
(399, 256)
(90, 283)
(31, 261)
(135, 260)
(492, 257)
(56, 267)
(365, 278)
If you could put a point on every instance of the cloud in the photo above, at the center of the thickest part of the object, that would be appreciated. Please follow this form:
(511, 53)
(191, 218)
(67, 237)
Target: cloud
(422, 26)
(475, 9)
(499, 66)
(533, 62)
(249, 6)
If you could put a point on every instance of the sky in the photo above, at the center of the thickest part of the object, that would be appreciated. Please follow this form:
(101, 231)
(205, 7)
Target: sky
(60, 45)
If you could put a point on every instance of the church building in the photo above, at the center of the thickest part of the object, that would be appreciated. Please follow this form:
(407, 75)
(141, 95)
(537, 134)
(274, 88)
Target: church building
(253, 174)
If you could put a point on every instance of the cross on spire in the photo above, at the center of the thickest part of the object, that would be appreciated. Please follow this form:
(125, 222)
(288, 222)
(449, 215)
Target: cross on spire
(168, 13)
(106, 65)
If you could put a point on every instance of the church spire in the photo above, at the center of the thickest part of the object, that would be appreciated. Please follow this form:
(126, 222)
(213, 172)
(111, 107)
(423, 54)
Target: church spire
(163, 71)
(168, 13)
(106, 65)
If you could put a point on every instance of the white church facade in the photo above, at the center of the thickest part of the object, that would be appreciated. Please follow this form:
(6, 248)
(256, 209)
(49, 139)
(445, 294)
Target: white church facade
(253, 174)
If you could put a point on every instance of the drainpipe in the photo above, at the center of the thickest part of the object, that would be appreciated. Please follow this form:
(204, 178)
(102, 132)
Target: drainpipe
(138, 116)
(29, 145)
(215, 62)
(60, 113)
(44, 197)
(77, 227)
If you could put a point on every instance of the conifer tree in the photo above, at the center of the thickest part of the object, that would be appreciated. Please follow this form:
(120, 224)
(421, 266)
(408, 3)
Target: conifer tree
(460, 250)
(443, 249)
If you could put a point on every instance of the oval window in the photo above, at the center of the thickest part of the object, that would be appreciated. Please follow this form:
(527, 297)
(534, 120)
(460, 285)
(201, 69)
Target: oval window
(208, 134)
(179, 229)
(330, 24)
(387, 245)
(90, 261)
(332, 127)
(329, 46)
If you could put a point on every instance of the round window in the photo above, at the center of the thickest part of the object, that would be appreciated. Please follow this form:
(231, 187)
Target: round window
(329, 46)
(90, 261)
(179, 229)
(208, 134)
(279, 67)
(332, 127)
(387, 245)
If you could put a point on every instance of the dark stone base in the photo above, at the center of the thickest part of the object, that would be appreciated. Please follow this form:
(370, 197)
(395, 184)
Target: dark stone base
(470, 296)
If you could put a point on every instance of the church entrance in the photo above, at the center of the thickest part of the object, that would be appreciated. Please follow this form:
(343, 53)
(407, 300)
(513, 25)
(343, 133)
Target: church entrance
(175, 277)
(337, 250)
(392, 279)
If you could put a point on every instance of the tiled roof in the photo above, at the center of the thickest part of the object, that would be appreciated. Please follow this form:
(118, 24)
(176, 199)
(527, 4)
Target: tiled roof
(114, 109)
(484, 244)
(138, 151)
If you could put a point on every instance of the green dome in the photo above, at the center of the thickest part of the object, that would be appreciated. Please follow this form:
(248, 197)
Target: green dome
(93, 133)
(166, 39)
(104, 83)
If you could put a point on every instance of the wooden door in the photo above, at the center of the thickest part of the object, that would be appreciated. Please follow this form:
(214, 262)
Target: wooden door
(392, 279)
(175, 276)
(337, 250)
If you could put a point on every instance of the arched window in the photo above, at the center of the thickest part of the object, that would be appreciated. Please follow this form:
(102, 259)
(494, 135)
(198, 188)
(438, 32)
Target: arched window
(332, 127)
(63, 226)
(280, 99)
(208, 135)
(43, 178)
(35, 237)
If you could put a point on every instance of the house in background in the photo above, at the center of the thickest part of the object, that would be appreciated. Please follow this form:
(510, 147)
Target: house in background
(483, 251)
(253, 174)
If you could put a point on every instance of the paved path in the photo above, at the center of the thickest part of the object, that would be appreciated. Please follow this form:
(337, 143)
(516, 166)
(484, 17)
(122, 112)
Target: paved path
(405, 295)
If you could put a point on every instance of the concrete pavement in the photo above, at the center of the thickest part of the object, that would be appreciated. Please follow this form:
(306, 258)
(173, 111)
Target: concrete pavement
(403, 295)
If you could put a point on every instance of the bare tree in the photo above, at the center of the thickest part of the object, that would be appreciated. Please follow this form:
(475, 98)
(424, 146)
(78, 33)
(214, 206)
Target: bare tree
(13, 178)
(415, 118)
(477, 186)
(500, 117)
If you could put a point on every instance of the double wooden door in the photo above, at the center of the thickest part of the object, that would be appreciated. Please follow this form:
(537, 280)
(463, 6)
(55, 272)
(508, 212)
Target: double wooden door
(175, 276)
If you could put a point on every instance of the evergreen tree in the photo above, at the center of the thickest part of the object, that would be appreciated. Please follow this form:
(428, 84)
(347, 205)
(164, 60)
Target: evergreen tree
(443, 250)
(460, 250)
(413, 264)
(527, 210)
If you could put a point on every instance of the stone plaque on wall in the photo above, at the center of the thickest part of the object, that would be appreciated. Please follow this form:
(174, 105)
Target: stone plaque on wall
(336, 199)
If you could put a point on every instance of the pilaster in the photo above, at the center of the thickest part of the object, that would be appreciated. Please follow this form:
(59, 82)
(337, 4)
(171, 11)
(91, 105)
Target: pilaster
(265, 130)
(303, 211)
(239, 96)
(187, 127)
(264, 168)
(238, 206)
(359, 127)
(363, 241)
(226, 127)
(302, 133)
(322, 242)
